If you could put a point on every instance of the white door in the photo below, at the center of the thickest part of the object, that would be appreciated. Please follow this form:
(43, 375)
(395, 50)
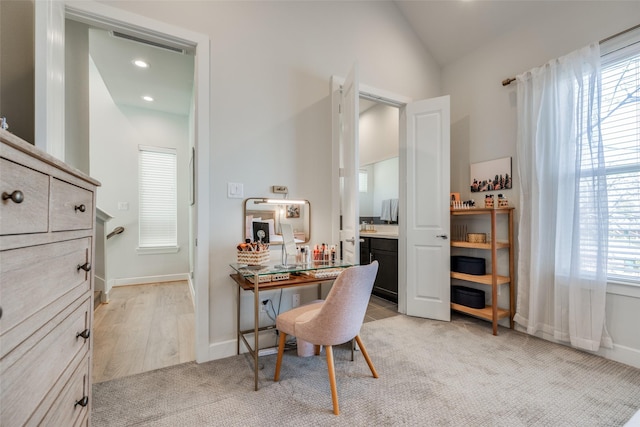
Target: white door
(349, 234)
(424, 198)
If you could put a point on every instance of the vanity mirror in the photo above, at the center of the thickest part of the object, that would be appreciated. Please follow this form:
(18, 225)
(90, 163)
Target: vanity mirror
(262, 214)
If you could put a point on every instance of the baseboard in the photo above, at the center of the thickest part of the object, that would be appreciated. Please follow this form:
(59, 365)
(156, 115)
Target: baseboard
(620, 353)
(223, 349)
(151, 279)
(98, 283)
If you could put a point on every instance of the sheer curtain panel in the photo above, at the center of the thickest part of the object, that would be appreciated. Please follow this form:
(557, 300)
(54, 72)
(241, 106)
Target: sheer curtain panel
(562, 263)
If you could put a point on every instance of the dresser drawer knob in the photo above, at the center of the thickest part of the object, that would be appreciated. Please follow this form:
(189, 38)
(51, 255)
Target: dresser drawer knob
(86, 266)
(84, 334)
(17, 196)
(80, 208)
(82, 402)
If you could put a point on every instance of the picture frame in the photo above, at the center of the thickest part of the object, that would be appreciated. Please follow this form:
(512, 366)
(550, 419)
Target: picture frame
(293, 211)
(492, 175)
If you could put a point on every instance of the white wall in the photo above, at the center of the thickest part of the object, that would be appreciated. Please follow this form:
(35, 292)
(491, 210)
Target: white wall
(379, 134)
(483, 114)
(115, 133)
(270, 106)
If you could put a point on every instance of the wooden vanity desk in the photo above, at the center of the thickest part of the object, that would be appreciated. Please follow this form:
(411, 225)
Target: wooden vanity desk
(300, 275)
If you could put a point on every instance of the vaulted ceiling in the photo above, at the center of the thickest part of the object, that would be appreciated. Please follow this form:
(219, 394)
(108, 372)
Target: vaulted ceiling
(449, 30)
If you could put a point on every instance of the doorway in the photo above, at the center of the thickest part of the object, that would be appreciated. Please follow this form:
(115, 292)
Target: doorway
(106, 17)
(423, 249)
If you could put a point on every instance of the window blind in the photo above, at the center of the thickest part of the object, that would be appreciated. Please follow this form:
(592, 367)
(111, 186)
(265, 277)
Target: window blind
(363, 181)
(157, 197)
(620, 128)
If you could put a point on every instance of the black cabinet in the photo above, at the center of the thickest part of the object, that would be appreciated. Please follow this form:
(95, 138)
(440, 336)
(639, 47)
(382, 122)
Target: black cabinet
(385, 251)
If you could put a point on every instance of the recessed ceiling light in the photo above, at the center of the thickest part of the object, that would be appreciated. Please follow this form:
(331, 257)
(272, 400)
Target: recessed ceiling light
(140, 63)
(147, 98)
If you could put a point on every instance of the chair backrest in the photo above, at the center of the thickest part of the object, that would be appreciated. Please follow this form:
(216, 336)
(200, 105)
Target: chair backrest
(341, 316)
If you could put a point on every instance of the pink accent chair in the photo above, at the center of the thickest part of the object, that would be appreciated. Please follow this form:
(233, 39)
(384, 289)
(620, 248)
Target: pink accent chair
(335, 321)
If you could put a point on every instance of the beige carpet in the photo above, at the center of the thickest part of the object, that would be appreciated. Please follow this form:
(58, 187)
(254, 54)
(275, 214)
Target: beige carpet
(431, 374)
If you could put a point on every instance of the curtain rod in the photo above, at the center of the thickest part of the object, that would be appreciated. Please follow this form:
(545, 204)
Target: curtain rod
(507, 82)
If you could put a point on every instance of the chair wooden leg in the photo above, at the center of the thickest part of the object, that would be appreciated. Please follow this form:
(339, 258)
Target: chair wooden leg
(283, 339)
(366, 356)
(332, 379)
(316, 350)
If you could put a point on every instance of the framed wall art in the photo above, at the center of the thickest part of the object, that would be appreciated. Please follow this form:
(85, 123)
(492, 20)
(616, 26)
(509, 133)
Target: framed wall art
(492, 175)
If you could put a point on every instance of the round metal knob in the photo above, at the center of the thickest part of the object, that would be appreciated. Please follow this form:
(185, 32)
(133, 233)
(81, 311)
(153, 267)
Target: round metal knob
(81, 208)
(84, 334)
(86, 266)
(17, 196)
(82, 402)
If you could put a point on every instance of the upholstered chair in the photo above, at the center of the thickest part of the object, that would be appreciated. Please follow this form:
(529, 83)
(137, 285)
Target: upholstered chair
(334, 321)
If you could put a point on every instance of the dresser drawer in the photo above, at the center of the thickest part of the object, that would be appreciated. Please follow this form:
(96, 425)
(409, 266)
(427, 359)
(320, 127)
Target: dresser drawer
(68, 409)
(37, 282)
(31, 215)
(71, 207)
(30, 381)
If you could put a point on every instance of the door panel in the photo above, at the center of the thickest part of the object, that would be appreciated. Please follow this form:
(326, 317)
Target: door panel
(426, 142)
(349, 234)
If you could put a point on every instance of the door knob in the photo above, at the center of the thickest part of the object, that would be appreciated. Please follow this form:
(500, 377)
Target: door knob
(442, 236)
(80, 208)
(351, 240)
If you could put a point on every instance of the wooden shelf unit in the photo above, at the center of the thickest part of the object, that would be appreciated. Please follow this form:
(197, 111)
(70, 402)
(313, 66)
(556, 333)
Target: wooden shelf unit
(491, 312)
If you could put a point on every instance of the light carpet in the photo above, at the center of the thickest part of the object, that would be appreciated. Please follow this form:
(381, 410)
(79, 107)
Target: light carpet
(431, 374)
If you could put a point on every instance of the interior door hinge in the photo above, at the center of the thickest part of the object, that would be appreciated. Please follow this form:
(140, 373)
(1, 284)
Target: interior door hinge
(339, 108)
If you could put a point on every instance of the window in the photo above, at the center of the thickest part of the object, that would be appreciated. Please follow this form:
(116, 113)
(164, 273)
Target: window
(363, 181)
(158, 198)
(620, 129)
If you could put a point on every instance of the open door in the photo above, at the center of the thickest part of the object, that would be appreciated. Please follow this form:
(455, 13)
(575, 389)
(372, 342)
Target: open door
(349, 112)
(424, 222)
(424, 199)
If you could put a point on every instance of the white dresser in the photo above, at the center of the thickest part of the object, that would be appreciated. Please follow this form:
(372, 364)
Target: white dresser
(47, 227)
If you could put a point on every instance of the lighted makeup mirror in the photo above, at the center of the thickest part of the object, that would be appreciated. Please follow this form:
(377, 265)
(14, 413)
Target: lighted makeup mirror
(261, 214)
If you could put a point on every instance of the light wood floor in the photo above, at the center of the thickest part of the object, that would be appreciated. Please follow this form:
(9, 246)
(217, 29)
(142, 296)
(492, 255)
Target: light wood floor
(144, 327)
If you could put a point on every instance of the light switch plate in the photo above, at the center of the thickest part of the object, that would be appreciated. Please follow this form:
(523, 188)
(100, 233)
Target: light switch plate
(123, 206)
(235, 190)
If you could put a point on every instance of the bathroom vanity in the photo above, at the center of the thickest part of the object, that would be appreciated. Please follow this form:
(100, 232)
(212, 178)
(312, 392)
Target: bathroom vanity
(382, 245)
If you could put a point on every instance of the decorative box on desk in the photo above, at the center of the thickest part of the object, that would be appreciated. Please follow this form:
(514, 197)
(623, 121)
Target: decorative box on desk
(490, 312)
(254, 257)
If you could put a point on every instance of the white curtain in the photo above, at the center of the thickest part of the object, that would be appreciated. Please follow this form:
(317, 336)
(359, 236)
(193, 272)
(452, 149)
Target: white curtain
(562, 265)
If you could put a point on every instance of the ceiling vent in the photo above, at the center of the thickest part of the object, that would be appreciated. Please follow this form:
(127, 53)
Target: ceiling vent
(147, 42)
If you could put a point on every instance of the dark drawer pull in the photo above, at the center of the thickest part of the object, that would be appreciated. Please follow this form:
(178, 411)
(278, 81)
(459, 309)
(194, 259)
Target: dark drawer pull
(82, 402)
(86, 266)
(84, 334)
(80, 208)
(17, 196)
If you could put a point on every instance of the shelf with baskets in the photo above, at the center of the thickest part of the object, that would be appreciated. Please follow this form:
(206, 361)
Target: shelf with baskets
(497, 242)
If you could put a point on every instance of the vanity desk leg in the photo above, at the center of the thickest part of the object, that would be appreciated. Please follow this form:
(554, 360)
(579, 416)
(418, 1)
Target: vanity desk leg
(256, 321)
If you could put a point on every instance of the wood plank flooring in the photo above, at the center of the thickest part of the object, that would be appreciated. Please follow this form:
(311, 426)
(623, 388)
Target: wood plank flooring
(144, 327)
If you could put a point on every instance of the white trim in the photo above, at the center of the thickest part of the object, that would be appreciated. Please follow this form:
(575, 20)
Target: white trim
(157, 250)
(624, 289)
(101, 14)
(130, 281)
